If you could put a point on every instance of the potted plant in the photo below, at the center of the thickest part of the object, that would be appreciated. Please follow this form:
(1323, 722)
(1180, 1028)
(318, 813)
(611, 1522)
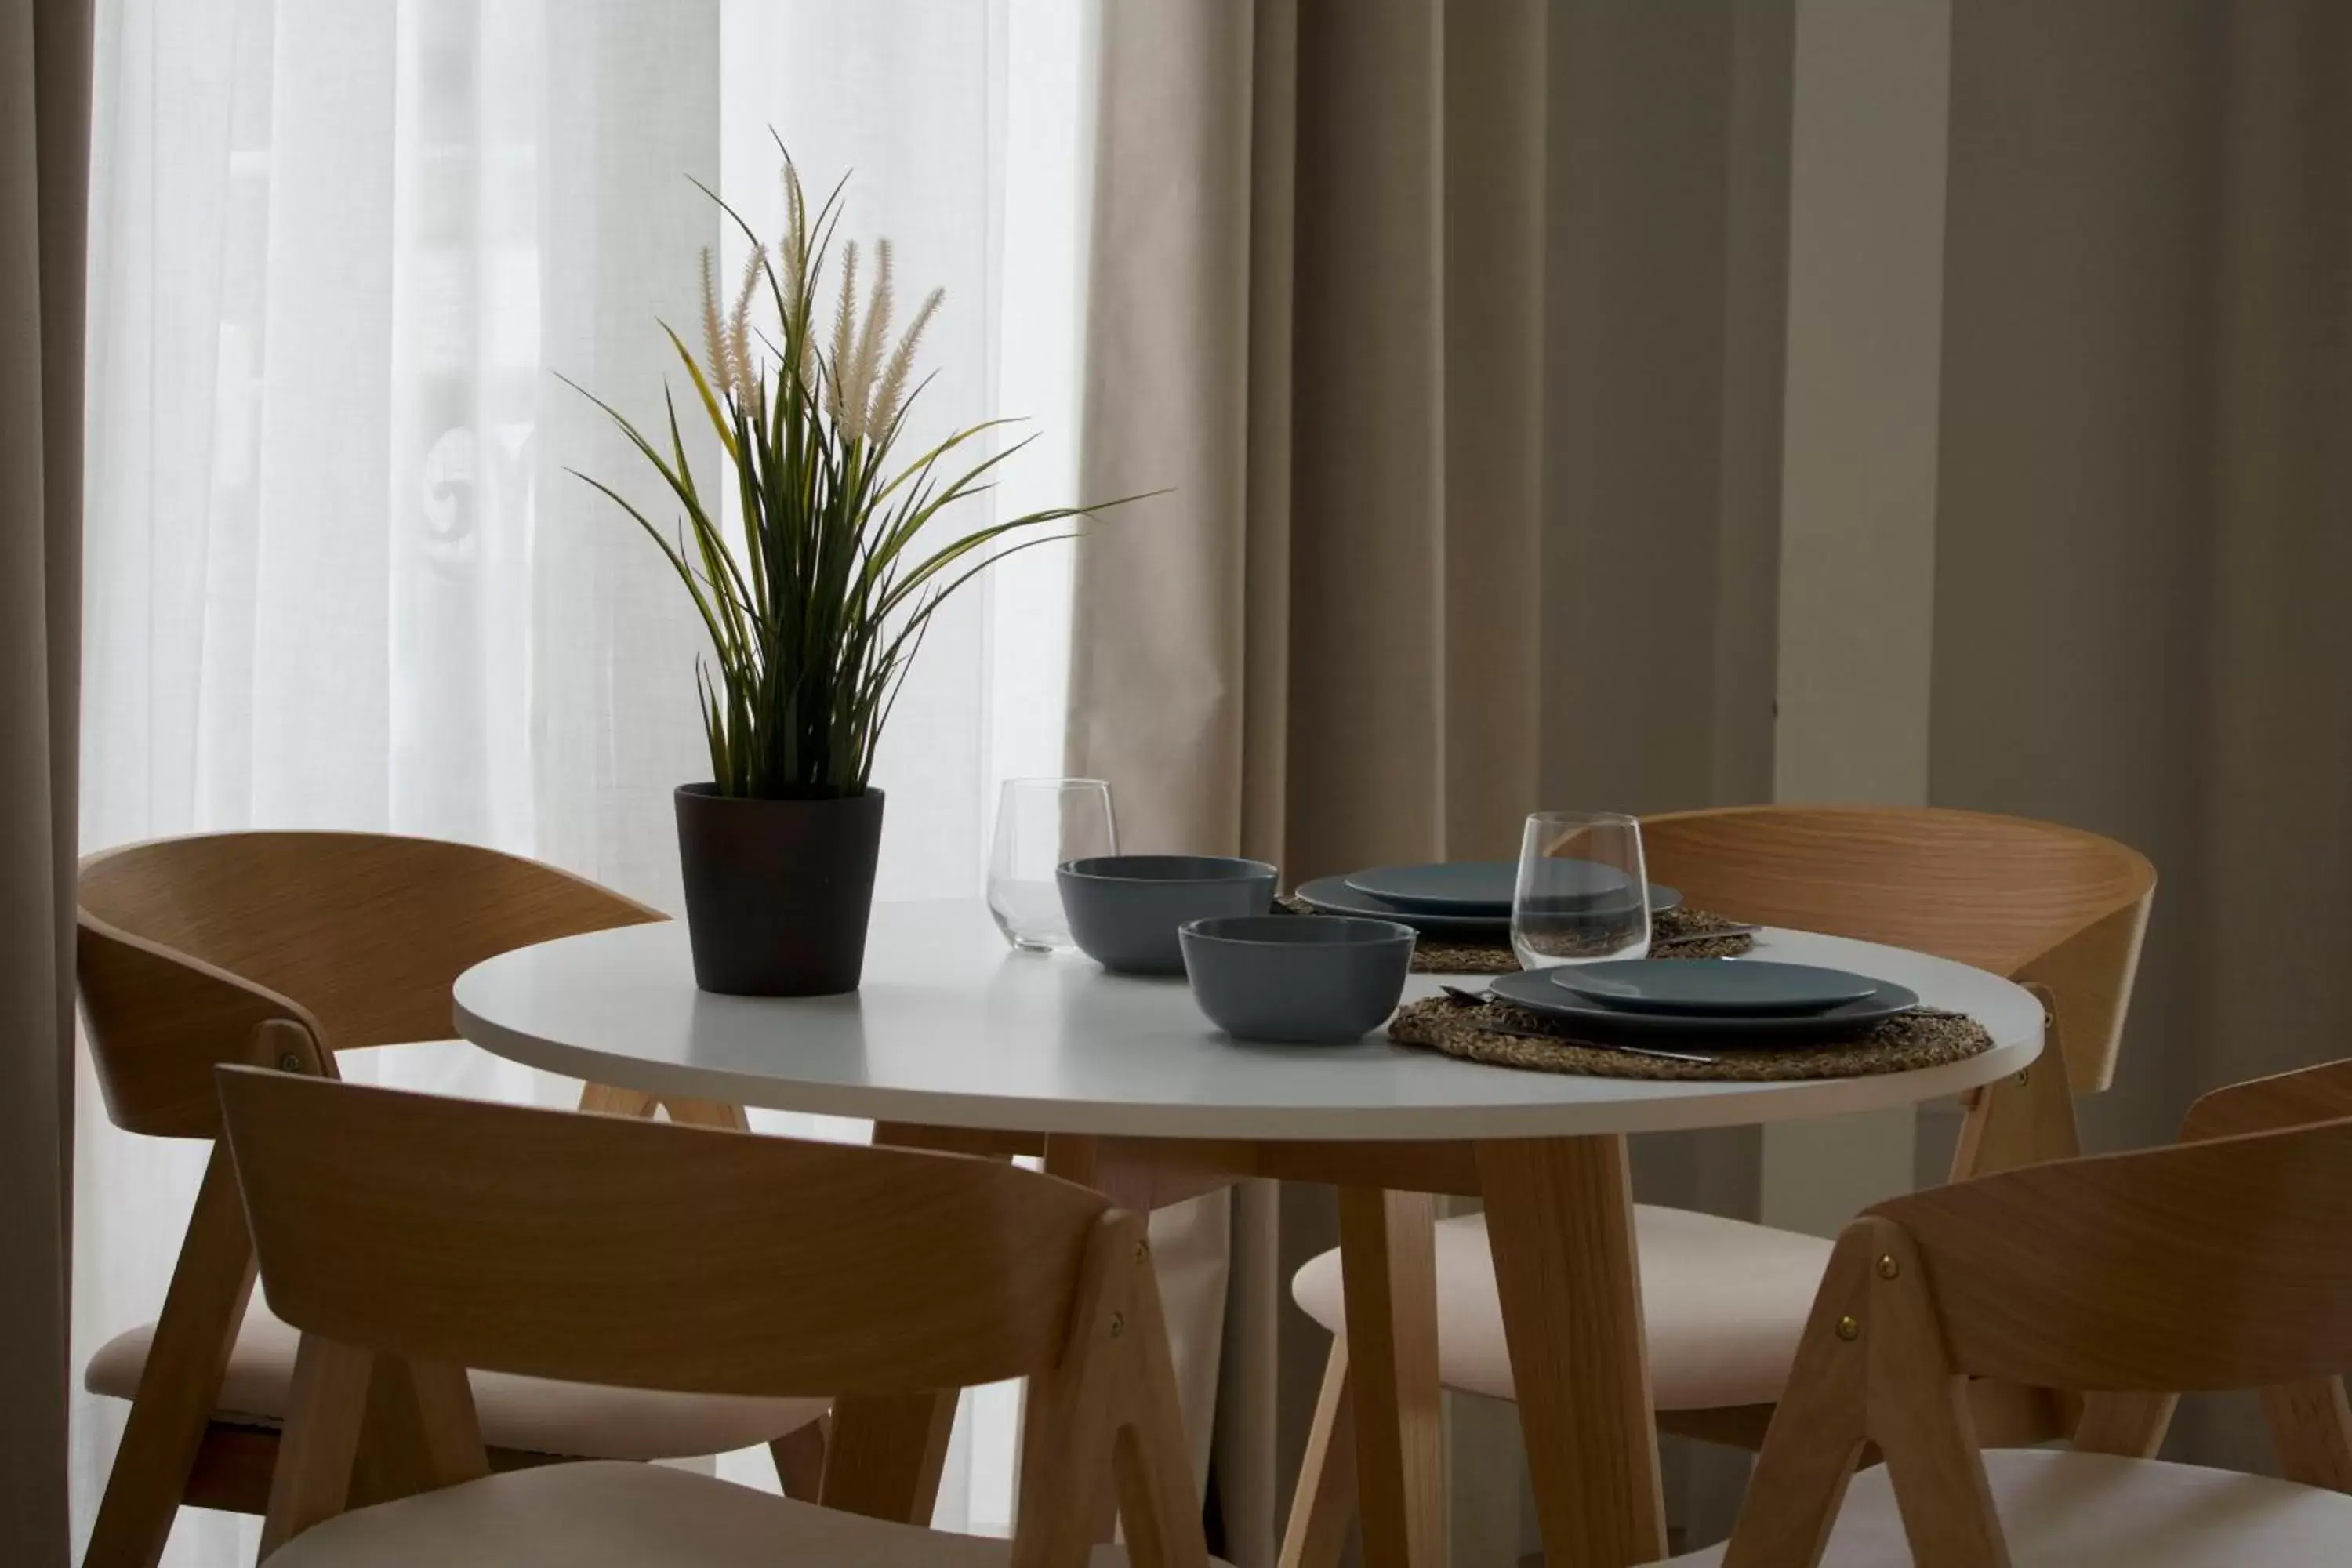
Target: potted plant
(813, 616)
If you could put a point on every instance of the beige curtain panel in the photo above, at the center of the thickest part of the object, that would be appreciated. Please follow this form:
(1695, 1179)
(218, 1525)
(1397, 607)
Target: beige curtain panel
(1455, 331)
(44, 56)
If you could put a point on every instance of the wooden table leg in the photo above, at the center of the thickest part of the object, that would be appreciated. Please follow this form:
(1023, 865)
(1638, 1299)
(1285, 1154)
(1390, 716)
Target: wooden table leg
(705, 1113)
(1559, 1215)
(1388, 1260)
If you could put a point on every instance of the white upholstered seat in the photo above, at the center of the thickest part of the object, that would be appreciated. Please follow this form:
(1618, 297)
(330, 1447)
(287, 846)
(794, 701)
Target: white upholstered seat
(2063, 1509)
(1726, 1303)
(598, 1515)
(526, 1412)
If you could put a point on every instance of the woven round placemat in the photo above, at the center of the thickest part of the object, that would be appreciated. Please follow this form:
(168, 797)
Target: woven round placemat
(1433, 957)
(1503, 1035)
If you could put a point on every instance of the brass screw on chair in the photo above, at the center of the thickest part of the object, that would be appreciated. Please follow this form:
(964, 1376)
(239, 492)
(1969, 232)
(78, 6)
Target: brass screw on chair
(1849, 1329)
(1887, 1268)
(1118, 1324)
(289, 1062)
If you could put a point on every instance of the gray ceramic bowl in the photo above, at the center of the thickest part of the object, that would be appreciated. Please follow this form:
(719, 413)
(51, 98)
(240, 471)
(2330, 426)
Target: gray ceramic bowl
(1124, 909)
(1299, 979)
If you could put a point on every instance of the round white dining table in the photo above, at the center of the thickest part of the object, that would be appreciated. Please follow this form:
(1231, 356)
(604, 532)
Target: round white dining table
(952, 1030)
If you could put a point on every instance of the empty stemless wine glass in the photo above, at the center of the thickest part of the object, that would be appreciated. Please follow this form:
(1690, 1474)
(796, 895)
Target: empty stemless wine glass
(1582, 893)
(1040, 823)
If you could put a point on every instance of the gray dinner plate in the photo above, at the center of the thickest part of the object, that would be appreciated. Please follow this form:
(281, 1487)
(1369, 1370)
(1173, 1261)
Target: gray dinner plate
(1534, 991)
(1472, 887)
(1748, 987)
(1333, 896)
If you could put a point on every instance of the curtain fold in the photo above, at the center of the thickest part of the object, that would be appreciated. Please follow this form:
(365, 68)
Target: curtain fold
(2146, 465)
(1452, 332)
(44, 80)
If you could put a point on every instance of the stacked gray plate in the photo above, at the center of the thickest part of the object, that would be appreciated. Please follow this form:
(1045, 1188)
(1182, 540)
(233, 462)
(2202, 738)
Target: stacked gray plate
(1738, 997)
(1467, 900)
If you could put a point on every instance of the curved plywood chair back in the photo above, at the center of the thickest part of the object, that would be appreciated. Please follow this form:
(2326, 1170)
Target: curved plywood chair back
(187, 945)
(607, 1249)
(2036, 901)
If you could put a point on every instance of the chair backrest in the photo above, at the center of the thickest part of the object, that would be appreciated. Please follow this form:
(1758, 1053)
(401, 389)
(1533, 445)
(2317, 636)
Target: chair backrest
(2221, 1263)
(598, 1249)
(186, 945)
(2321, 1093)
(601, 1250)
(2032, 900)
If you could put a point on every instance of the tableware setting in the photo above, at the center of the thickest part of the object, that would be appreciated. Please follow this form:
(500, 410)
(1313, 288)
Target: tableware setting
(1280, 980)
(1758, 986)
(1574, 916)
(1721, 1018)
(1581, 892)
(1042, 825)
(1486, 917)
(1125, 911)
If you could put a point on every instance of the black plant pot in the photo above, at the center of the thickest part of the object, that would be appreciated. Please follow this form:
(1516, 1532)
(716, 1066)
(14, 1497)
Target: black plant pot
(777, 891)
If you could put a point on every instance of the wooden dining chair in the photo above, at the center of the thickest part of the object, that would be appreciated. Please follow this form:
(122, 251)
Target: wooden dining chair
(287, 947)
(1724, 1303)
(440, 1233)
(2224, 1262)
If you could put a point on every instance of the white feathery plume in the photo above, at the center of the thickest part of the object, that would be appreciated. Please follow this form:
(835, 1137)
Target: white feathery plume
(794, 245)
(893, 391)
(714, 335)
(739, 330)
(858, 395)
(845, 336)
(793, 249)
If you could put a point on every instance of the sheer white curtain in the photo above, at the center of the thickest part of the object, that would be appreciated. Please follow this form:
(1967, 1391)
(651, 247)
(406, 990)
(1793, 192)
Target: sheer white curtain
(336, 572)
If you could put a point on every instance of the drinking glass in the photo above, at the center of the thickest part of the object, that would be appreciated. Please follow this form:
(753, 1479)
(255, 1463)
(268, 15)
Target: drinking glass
(1582, 894)
(1040, 823)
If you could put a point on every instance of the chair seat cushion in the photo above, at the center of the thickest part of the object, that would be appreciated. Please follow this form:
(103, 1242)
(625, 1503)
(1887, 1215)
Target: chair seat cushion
(2063, 1509)
(1726, 1303)
(526, 1413)
(597, 1515)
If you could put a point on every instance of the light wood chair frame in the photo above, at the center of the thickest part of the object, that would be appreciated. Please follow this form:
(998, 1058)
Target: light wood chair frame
(282, 948)
(2218, 1263)
(700, 1260)
(2059, 909)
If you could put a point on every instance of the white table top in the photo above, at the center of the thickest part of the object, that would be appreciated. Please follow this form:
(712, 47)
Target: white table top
(951, 1028)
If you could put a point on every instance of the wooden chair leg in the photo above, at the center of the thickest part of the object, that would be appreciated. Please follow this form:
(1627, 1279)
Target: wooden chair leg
(1159, 1499)
(421, 1433)
(800, 1460)
(1324, 1504)
(1389, 1264)
(2130, 1425)
(885, 1454)
(1919, 1414)
(1075, 1157)
(1819, 1432)
(194, 1335)
(2026, 1119)
(1111, 1394)
(2311, 1430)
(325, 1413)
